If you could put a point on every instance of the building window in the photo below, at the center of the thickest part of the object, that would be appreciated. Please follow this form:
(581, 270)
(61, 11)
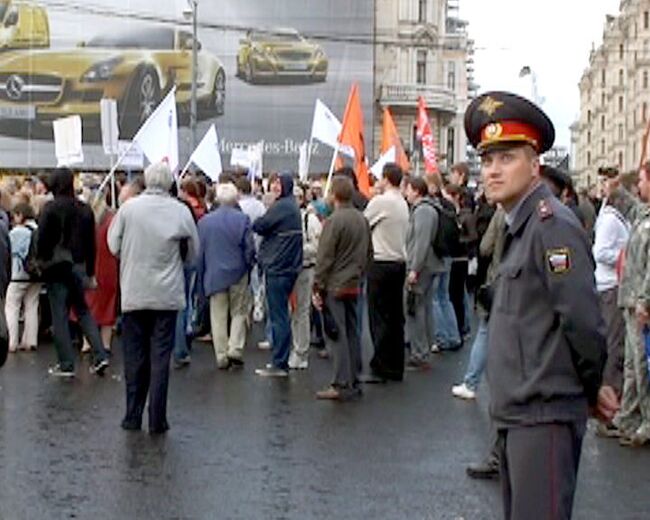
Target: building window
(602, 147)
(645, 79)
(602, 78)
(421, 67)
(602, 122)
(588, 116)
(620, 132)
(588, 158)
(451, 75)
(644, 112)
(620, 103)
(602, 99)
(588, 137)
(422, 11)
(620, 52)
(620, 160)
(620, 77)
(646, 19)
(451, 145)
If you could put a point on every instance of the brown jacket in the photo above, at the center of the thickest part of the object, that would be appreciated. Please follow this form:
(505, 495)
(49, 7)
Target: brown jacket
(344, 252)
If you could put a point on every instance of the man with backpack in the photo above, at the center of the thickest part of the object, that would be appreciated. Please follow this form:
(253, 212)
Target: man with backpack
(421, 264)
(66, 254)
(446, 243)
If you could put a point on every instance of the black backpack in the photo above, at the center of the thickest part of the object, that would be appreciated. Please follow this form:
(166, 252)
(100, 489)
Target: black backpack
(30, 263)
(447, 239)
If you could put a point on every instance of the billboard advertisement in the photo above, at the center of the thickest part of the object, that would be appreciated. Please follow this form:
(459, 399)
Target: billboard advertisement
(261, 67)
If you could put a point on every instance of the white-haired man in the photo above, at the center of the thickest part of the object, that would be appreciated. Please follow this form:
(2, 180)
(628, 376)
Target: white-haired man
(153, 235)
(226, 257)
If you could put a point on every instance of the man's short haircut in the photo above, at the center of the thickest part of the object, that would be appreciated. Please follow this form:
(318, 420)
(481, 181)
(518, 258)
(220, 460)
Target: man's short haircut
(462, 168)
(342, 188)
(227, 193)
(419, 185)
(348, 171)
(244, 185)
(393, 174)
(158, 176)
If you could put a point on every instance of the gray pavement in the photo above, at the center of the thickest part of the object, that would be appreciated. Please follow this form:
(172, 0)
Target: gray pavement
(245, 447)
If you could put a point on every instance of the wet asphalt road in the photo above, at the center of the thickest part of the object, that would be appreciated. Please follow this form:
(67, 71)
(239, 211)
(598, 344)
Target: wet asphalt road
(245, 447)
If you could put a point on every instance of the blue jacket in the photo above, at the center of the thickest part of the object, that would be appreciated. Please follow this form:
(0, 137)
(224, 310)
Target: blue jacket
(281, 232)
(227, 251)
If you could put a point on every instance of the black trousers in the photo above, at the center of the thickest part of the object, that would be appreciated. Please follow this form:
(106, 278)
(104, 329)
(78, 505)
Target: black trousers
(386, 317)
(148, 341)
(457, 281)
(539, 470)
(615, 325)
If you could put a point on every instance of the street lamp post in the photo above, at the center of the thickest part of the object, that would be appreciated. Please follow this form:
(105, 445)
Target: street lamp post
(195, 69)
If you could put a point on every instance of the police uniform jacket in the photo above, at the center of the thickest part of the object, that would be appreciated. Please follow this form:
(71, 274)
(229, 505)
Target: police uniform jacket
(546, 336)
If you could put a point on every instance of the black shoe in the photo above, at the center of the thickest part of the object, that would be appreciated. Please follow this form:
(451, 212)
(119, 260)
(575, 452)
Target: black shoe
(159, 430)
(236, 363)
(130, 426)
(182, 362)
(99, 367)
(486, 470)
(372, 379)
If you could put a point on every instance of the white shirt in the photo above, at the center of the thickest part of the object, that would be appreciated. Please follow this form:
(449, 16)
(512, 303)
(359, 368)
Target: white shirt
(388, 216)
(611, 236)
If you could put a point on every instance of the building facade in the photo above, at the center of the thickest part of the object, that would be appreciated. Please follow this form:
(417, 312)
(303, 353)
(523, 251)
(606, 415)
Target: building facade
(614, 96)
(422, 49)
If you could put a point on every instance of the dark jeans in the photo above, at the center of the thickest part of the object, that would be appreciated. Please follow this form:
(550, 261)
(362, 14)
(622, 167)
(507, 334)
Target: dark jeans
(615, 325)
(65, 293)
(278, 289)
(386, 316)
(148, 340)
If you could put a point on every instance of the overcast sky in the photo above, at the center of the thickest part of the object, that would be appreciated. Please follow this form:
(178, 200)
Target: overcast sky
(552, 37)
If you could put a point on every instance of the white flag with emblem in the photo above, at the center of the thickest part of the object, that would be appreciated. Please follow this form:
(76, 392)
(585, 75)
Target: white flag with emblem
(158, 135)
(326, 127)
(207, 155)
(378, 168)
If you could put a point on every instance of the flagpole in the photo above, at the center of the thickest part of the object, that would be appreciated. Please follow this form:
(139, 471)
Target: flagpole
(111, 174)
(187, 167)
(329, 175)
(311, 141)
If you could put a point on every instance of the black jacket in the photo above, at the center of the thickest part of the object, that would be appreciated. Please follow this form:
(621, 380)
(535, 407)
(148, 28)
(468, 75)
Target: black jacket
(66, 229)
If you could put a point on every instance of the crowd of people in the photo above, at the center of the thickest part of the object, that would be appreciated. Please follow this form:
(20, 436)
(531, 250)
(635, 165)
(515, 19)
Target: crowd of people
(175, 260)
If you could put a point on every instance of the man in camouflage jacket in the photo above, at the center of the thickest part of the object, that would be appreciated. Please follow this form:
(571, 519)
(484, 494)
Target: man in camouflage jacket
(633, 419)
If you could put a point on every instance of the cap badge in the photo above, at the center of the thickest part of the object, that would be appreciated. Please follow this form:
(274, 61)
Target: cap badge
(490, 105)
(493, 131)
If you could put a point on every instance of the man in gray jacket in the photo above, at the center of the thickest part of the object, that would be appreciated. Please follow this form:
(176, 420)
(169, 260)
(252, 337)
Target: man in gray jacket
(152, 235)
(421, 265)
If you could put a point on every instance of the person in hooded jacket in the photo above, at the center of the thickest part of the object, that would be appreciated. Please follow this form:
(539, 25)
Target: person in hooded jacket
(66, 253)
(280, 258)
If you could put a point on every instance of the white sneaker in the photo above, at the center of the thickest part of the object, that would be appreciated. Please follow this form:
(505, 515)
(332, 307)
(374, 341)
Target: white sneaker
(435, 349)
(462, 392)
(264, 345)
(298, 365)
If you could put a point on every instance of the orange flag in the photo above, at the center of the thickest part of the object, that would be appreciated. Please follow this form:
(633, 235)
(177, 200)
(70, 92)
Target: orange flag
(352, 138)
(390, 138)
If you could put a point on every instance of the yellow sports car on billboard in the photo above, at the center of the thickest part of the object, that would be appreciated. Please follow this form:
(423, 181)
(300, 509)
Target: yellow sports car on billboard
(136, 68)
(280, 55)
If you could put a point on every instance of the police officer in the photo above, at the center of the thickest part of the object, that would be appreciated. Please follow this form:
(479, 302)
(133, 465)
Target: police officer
(546, 346)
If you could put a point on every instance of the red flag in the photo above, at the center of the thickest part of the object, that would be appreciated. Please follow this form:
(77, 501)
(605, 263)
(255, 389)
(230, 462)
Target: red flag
(390, 138)
(352, 137)
(425, 135)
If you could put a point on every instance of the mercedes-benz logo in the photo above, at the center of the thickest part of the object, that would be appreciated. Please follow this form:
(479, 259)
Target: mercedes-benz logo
(14, 87)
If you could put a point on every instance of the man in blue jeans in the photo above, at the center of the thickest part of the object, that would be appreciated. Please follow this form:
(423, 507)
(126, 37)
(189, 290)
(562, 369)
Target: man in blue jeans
(280, 258)
(446, 327)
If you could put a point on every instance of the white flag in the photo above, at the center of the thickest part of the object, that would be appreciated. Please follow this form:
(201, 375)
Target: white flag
(255, 154)
(326, 127)
(303, 166)
(378, 168)
(207, 156)
(240, 157)
(67, 141)
(158, 135)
